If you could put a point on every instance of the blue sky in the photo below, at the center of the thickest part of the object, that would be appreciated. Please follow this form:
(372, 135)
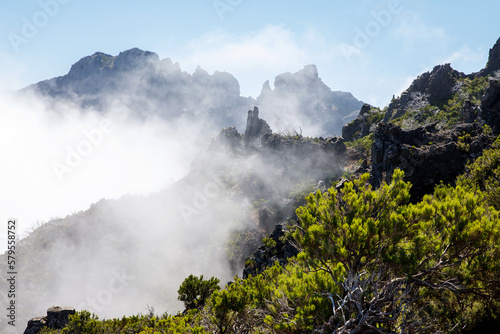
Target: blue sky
(371, 48)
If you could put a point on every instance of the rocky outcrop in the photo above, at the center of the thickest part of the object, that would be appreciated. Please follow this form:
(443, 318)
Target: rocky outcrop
(57, 318)
(490, 105)
(433, 88)
(302, 100)
(297, 155)
(228, 138)
(363, 125)
(256, 128)
(139, 81)
(493, 64)
(281, 250)
(426, 155)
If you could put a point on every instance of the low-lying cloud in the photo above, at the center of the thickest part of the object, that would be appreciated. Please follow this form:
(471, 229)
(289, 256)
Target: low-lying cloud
(59, 160)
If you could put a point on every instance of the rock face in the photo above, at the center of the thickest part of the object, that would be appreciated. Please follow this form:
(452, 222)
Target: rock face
(318, 157)
(362, 126)
(266, 256)
(289, 154)
(490, 105)
(433, 88)
(426, 155)
(57, 318)
(302, 100)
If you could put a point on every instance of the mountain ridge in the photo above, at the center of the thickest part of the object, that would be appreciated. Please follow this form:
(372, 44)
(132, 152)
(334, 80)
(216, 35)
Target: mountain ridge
(148, 85)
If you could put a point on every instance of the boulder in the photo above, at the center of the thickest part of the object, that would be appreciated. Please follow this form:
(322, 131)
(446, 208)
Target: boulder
(57, 318)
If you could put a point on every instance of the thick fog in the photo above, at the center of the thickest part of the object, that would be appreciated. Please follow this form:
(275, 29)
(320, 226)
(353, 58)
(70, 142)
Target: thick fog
(59, 160)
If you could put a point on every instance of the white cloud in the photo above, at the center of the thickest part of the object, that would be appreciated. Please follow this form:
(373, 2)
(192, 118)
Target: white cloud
(467, 60)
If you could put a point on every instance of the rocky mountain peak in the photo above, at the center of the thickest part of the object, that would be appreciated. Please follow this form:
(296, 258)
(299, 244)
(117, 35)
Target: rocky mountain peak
(493, 63)
(266, 89)
(432, 87)
(299, 99)
(99, 62)
(91, 65)
(134, 58)
(310, 71)
(307, 77)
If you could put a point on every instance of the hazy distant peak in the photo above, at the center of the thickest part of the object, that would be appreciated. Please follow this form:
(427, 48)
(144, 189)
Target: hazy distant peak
(137, 53)
(266, 88)
(200, 73)
(134, 58)
(302, 100)
(310, 71)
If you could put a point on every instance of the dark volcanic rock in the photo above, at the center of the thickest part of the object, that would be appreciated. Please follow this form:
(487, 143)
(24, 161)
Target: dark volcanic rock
(302, 100)
(361, 126)
(36, 325)
(427, 156)
(433, 88)
(266, 256)
(57, 318)
(296, 155)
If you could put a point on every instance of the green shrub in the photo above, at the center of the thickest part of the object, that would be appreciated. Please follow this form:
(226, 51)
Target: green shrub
(194, 291)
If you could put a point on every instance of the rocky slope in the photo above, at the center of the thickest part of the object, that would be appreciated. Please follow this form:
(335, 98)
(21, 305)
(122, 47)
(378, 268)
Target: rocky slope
(444, 120)
(430, 88)
(427, 156)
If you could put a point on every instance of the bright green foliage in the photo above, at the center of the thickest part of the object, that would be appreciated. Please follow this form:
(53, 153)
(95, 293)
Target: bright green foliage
(194, 291)
(280, 300)
(464, 141)
(390, 258)
(230, 309)
(339, 235)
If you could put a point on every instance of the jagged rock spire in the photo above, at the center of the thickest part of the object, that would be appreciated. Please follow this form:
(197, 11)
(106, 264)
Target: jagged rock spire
(256, 127)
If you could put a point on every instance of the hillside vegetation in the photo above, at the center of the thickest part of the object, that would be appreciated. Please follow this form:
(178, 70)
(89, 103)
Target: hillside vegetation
(370, 262)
